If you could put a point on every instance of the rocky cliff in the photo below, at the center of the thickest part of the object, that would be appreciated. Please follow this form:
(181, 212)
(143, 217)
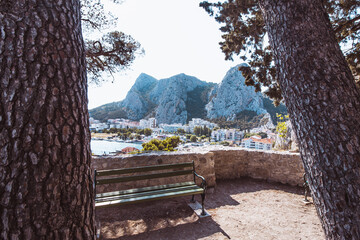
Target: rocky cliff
(180, 98)
(167, 99)
(233, 96)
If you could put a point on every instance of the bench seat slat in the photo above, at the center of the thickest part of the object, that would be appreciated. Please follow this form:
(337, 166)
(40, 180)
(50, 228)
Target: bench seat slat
(142, 177)
(144, 189)
(162, 191)
(143, 169)
(149, 198)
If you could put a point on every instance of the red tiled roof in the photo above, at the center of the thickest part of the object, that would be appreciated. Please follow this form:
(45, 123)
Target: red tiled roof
(129, 149)
(264, 141)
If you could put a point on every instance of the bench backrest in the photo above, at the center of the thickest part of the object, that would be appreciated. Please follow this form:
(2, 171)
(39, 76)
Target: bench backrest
(143, 173)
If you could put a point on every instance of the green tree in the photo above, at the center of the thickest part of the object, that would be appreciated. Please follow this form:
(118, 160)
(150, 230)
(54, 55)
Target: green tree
(197, 131)
(321, 96)
(245, 36)
(114, 51)
(147, 132)
(193, 138)
(180, 131)
(262, 134)
(188, 136)
(169, 144)
(281, 127)
(113, 130)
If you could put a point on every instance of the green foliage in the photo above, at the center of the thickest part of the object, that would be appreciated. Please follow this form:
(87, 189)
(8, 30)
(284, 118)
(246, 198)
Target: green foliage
(199, 131)
(225, 143)
(245, 120)
(114, 51)
(246, 114)
(262, 134)
(193, 138)
(244, 33)
(281, 128)
(147, 132)
(169, 144)
(180, 131)
(108, 111)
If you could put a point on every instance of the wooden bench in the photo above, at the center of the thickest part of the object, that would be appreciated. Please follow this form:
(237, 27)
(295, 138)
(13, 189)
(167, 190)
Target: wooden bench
(148, 193)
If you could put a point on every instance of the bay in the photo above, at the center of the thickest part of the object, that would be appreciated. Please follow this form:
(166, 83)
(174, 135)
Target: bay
(101, 147)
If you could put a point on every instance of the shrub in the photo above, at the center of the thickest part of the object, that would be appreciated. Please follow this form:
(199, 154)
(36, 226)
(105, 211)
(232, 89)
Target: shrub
(169, 144)
(225, 143)
(193, 138)
(281, 128)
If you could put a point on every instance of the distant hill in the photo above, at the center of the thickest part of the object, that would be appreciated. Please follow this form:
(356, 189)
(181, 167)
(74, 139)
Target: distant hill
(180, 98)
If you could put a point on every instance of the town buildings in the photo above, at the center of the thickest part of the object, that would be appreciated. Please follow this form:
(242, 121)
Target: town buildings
(255, 142)
(149, 123)
(233, 135)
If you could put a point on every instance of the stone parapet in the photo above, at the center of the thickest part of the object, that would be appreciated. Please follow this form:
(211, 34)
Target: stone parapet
(281, 167)
(214, 164)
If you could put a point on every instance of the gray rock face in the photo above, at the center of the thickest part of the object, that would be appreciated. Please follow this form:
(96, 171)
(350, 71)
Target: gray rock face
(171, 95)
(165, 99)
(137, 103)
(179, 98)
(233, 96)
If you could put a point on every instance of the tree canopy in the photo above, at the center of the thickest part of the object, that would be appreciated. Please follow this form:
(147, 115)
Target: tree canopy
(114, 50)
(244, 34)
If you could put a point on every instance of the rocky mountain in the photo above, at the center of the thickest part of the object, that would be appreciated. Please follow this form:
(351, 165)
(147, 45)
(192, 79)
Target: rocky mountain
(180, 98)
(172, 100)
(233, 96)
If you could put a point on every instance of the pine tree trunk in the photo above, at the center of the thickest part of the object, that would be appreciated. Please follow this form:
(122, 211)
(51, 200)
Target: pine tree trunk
(324, 108)
(45, 176)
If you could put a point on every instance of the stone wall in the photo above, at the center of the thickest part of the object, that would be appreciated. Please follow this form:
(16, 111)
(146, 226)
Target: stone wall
(226, 163)
(281, 167)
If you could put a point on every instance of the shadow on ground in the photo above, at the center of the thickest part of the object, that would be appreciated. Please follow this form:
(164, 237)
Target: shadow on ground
(241, 209)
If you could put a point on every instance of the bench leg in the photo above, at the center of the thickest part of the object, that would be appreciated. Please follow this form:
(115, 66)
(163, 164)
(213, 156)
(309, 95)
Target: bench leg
(192, 199)
(202, 203)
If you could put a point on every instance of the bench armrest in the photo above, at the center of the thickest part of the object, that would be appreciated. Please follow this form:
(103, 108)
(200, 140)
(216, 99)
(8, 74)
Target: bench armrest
(203, 181)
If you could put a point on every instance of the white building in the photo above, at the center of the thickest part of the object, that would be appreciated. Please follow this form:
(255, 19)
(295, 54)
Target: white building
(255, 142)
(198, 122)
(150, 123)
(227, 135)
(98, 126)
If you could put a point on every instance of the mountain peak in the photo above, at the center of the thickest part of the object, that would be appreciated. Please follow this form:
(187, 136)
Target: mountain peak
(144, 82)
(181, 97)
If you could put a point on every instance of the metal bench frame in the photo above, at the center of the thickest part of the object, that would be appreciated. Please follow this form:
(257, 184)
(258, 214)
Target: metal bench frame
(136, 195)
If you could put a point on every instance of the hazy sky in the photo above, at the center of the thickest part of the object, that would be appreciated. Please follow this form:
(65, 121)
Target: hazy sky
(178, 37)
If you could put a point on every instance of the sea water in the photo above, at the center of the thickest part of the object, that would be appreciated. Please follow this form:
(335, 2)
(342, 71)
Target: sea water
(104, 147)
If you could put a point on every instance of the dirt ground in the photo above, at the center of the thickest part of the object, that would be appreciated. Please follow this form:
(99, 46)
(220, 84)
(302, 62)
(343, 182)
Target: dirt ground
(240, 209)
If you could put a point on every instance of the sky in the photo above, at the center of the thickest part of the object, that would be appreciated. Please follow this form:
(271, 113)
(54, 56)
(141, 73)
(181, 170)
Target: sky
(178, 37)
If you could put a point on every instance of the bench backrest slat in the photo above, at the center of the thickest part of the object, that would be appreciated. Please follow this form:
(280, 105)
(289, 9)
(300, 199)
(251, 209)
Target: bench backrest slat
(143, 177)
(142, 169)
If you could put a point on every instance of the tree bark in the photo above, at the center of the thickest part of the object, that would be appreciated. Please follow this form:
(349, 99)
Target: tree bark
(324, 107)
(45, 176)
